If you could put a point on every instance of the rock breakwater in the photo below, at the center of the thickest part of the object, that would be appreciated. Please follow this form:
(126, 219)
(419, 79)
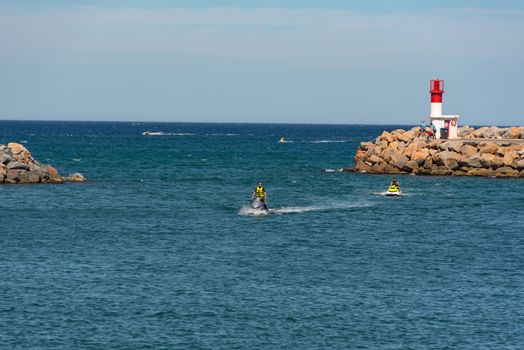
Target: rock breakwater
(488, 151)
(17, 166)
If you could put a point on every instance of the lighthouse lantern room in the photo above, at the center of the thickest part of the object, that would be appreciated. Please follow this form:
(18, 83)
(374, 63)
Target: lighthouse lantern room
(446, 125)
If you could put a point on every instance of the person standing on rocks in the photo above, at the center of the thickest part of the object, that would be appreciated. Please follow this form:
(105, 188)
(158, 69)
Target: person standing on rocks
(433, 131)
(423, 127)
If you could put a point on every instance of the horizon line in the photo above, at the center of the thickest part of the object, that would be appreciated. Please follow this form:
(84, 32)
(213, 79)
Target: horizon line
(227, 122)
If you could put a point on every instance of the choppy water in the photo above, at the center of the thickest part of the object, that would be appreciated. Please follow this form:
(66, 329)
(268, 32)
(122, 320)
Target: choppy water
(158, 251)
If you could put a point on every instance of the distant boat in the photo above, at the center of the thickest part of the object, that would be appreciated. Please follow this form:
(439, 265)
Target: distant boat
(282, 139)
(153, 133)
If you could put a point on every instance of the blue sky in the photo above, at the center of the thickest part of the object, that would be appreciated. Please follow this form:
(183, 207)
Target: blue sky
(260, 61)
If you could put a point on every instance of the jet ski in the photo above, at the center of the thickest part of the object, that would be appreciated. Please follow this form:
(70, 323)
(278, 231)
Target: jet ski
(282, 139)
(258, 204)
(393, 190)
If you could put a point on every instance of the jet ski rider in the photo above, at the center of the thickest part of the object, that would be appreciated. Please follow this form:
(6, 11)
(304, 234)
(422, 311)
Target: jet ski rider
(394, 182)
(260, 192)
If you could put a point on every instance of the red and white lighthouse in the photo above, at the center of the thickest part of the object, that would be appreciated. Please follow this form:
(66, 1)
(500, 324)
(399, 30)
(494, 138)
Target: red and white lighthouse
(446, 125)
(436, 89)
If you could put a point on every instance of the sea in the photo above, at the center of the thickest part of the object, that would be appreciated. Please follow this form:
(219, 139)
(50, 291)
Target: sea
(159, 249)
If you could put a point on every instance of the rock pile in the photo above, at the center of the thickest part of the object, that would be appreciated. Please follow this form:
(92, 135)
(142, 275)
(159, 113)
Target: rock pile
(482, 152)
(17, 166)
(491, 132)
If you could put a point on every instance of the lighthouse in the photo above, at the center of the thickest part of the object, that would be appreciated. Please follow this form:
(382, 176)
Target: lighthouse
(445, 125)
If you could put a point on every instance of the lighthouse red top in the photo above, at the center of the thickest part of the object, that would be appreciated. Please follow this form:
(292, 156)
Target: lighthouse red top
(436, 88)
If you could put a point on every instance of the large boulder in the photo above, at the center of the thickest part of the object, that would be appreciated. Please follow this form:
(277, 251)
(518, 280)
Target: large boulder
(17, 148)
(510, 159)
(398, 132)
(376, 159)
(492, 132)
(3, 172)
(488, 148)
(468, 150)
(443, 146)
(367, 145)
(489, 160)
(17, 166)
(449, 159)
(506, 172)
(398, 160)
(5, 158)
(513, 133)
(413, 147)
(463, 131)
(29, 177)
(12, 176)
(407, 136)
(479, 133)
(480, 172)
(359, 156)
(472, 161)
(411, 166)
(394, 145)
(455, 146)
(387, 136)
(420, 156)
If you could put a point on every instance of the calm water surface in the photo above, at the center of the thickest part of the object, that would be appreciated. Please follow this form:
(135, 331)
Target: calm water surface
(156, 251)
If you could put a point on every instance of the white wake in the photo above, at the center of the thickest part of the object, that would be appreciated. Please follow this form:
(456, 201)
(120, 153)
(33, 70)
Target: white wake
(161, 133)
(248, 211)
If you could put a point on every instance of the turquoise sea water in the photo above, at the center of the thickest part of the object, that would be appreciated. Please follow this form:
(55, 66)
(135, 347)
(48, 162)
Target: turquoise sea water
(155, 250)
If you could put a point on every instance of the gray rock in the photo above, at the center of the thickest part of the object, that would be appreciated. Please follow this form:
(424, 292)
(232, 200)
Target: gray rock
(28, 177)
(455, 146)
(464, 130)
(443, 146)
(472, 161)
(17, 166)
(410, 166)
(492, 132)
(399, 161)
(449, 159)
(13, 176)
(5, 158)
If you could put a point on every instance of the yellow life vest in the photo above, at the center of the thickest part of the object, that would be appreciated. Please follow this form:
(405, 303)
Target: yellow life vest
(260, 192)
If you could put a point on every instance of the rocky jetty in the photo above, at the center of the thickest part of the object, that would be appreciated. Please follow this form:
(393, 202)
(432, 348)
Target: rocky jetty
(487, 151)
(17, 166)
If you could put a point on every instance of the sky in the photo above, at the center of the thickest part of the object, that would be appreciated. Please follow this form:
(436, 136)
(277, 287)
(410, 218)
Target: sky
(308, 61)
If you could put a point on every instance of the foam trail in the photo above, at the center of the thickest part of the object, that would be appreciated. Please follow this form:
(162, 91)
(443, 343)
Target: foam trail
(324, 207)
(246, 210)
(328, 141)
(161, 133)
(333, 170)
